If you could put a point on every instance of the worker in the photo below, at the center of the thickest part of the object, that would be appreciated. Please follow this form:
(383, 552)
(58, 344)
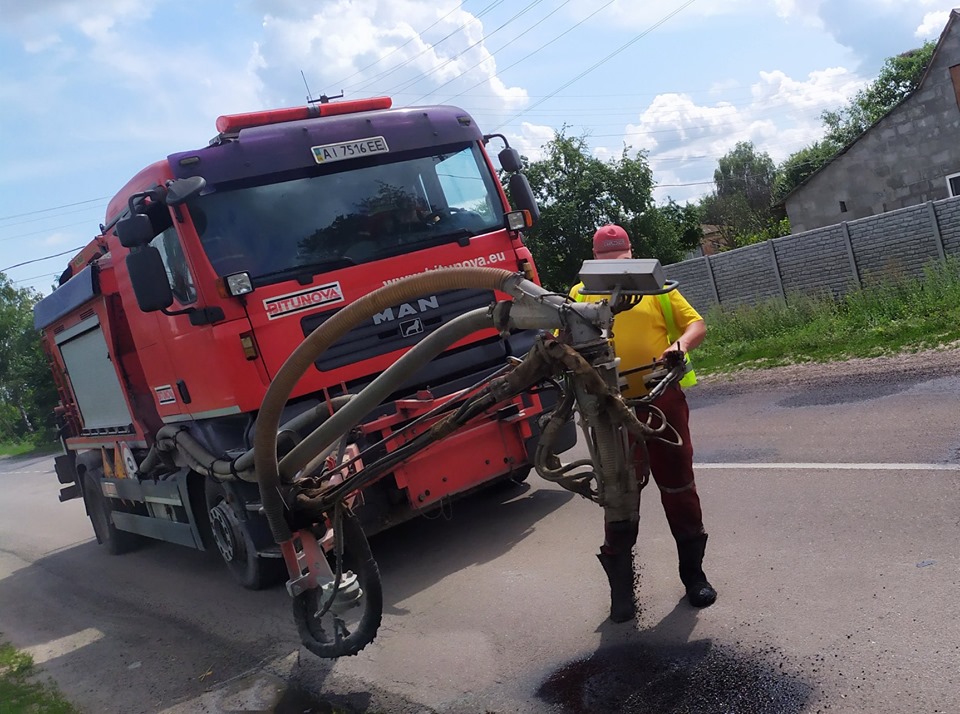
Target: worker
(650, 330)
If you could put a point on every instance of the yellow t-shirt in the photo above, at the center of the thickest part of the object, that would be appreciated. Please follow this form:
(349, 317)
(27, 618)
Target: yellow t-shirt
(640, 334)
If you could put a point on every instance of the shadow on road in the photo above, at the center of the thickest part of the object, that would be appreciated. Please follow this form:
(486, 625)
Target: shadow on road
(659, 670)
(473, 531)
(170, 623)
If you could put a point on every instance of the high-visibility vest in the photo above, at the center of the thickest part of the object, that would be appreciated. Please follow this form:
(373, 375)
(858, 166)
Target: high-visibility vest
(690, 377)
(673, 334)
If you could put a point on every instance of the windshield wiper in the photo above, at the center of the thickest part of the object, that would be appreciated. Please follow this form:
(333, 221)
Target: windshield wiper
(304, 272)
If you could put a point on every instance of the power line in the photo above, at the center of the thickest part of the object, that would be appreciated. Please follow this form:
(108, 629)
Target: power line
(362, 85)
(400, 47)
(54, 208)
(416, 80)
(47, 218)
(494, 53)
(48, 230)
(37, 260)
(531, 54)
(606, 59)
(35, 277)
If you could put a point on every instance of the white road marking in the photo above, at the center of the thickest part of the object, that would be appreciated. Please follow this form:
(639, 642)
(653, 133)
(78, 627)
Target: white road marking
(46, 651)
(831, 467)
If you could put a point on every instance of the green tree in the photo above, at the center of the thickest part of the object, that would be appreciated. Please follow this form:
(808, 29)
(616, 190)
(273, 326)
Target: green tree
(578, 192)
(742, 206)
(27, 392)
(898, 77)
(800, 165)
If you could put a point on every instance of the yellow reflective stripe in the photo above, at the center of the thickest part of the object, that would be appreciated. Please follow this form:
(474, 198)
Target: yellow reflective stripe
(690, 378)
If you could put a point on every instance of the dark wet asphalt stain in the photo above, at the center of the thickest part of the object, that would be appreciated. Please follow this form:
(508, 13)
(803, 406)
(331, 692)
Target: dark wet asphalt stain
(693, 678)
(846, 393)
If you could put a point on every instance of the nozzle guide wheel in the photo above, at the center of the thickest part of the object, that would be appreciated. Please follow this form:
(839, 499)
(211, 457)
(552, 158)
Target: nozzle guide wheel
(351, 621)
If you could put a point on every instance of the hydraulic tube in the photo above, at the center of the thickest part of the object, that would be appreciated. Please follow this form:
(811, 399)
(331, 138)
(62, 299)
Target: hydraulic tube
(404, 290)
(375, 392)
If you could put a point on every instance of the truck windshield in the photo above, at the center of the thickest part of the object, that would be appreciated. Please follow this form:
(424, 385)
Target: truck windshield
(348, 213)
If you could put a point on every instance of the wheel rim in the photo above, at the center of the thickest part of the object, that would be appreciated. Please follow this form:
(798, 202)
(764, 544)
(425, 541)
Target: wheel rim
(224, 533)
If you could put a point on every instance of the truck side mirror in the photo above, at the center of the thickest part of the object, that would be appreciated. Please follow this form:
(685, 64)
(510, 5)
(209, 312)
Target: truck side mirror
(135, 230)
(184, 189)
(523, 197)
(510, 160)
(149, 278)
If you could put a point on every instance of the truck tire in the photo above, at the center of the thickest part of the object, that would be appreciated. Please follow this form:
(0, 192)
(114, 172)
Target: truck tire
(236, 548)
(100, 509)
(317, 634)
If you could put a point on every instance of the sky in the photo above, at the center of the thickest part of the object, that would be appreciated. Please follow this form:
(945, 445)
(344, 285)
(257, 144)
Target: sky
(92, 91)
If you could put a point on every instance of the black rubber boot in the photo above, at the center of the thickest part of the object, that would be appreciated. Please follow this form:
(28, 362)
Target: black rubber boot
(700, 592)
(619, 569)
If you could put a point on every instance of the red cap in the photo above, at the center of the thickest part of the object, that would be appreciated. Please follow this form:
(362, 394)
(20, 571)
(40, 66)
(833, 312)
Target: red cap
(610, 242)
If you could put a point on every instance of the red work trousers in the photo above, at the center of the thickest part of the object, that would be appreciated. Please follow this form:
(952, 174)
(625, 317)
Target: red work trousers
(672, 470)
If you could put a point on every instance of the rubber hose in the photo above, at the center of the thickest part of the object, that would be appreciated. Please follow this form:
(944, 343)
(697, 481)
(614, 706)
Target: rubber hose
(312, 418)
(300, 360)
(375, 392)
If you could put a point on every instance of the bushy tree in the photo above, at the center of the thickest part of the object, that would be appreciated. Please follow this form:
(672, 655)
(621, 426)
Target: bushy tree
(742, 204)
(27, 393)
(898, 77)
(802, 164)
(578, 192)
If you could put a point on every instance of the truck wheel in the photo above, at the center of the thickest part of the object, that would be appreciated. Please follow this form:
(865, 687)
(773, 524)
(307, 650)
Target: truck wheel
(520, 475)
(234, 543)
(100, 508)
(351, 623)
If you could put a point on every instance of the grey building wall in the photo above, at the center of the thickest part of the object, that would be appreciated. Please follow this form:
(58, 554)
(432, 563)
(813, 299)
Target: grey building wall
(902, 160)
(826, 261)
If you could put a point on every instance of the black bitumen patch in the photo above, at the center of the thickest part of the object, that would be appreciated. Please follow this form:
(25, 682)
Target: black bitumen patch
(694, 678)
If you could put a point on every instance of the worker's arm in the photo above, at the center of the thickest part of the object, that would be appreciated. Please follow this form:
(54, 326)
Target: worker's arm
(690, 339)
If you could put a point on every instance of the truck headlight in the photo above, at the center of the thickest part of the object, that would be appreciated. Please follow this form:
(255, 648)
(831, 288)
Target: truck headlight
(239, 284)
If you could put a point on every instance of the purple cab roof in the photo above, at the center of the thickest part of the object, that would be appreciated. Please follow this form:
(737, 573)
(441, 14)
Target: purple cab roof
(279, 147)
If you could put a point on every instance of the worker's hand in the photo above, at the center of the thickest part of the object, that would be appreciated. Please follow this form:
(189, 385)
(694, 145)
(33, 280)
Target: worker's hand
(672, 356)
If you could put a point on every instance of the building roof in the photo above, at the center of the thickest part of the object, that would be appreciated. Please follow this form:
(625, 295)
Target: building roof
(954, 14)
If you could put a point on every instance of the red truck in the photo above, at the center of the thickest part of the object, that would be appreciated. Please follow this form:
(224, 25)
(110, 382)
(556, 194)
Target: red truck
(286, 217)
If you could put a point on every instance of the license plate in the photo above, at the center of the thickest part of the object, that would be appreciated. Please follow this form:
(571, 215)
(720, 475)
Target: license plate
(349, 149)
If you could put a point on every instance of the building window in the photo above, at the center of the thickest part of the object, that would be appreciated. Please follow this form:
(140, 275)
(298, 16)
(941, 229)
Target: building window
(843, 206)
(953, 184)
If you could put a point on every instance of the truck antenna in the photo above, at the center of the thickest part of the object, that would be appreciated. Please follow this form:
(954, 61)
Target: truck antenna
(323, 98)
(309, 93)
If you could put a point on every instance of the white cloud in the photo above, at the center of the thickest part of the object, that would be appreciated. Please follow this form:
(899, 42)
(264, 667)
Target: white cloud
(932, 25)
(372, 48)
(35, 21)
(684, 139)
(41, 43)
(56, 238)
(531, 140)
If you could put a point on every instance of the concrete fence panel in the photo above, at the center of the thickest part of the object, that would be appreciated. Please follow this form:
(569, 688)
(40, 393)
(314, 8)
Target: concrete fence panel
(815, 263)
(749, 276)
(696, 283)
(948, 218)
(893, 244)
(821, 261)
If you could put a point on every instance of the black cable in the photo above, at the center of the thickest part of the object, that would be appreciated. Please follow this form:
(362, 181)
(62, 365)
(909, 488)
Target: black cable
(416, 80)
(493, 54)
(53, 208)
(603, 61)
(37, 260)
(368, 83)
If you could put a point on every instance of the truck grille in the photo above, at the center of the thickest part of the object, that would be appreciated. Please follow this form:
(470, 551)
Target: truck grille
(395, 328)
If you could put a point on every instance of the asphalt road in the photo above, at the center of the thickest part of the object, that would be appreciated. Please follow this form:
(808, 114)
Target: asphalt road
(833, 506)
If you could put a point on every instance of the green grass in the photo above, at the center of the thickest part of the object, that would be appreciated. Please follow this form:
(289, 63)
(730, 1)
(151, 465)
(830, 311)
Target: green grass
(28, 448)
(885, 317)
(20, 690)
